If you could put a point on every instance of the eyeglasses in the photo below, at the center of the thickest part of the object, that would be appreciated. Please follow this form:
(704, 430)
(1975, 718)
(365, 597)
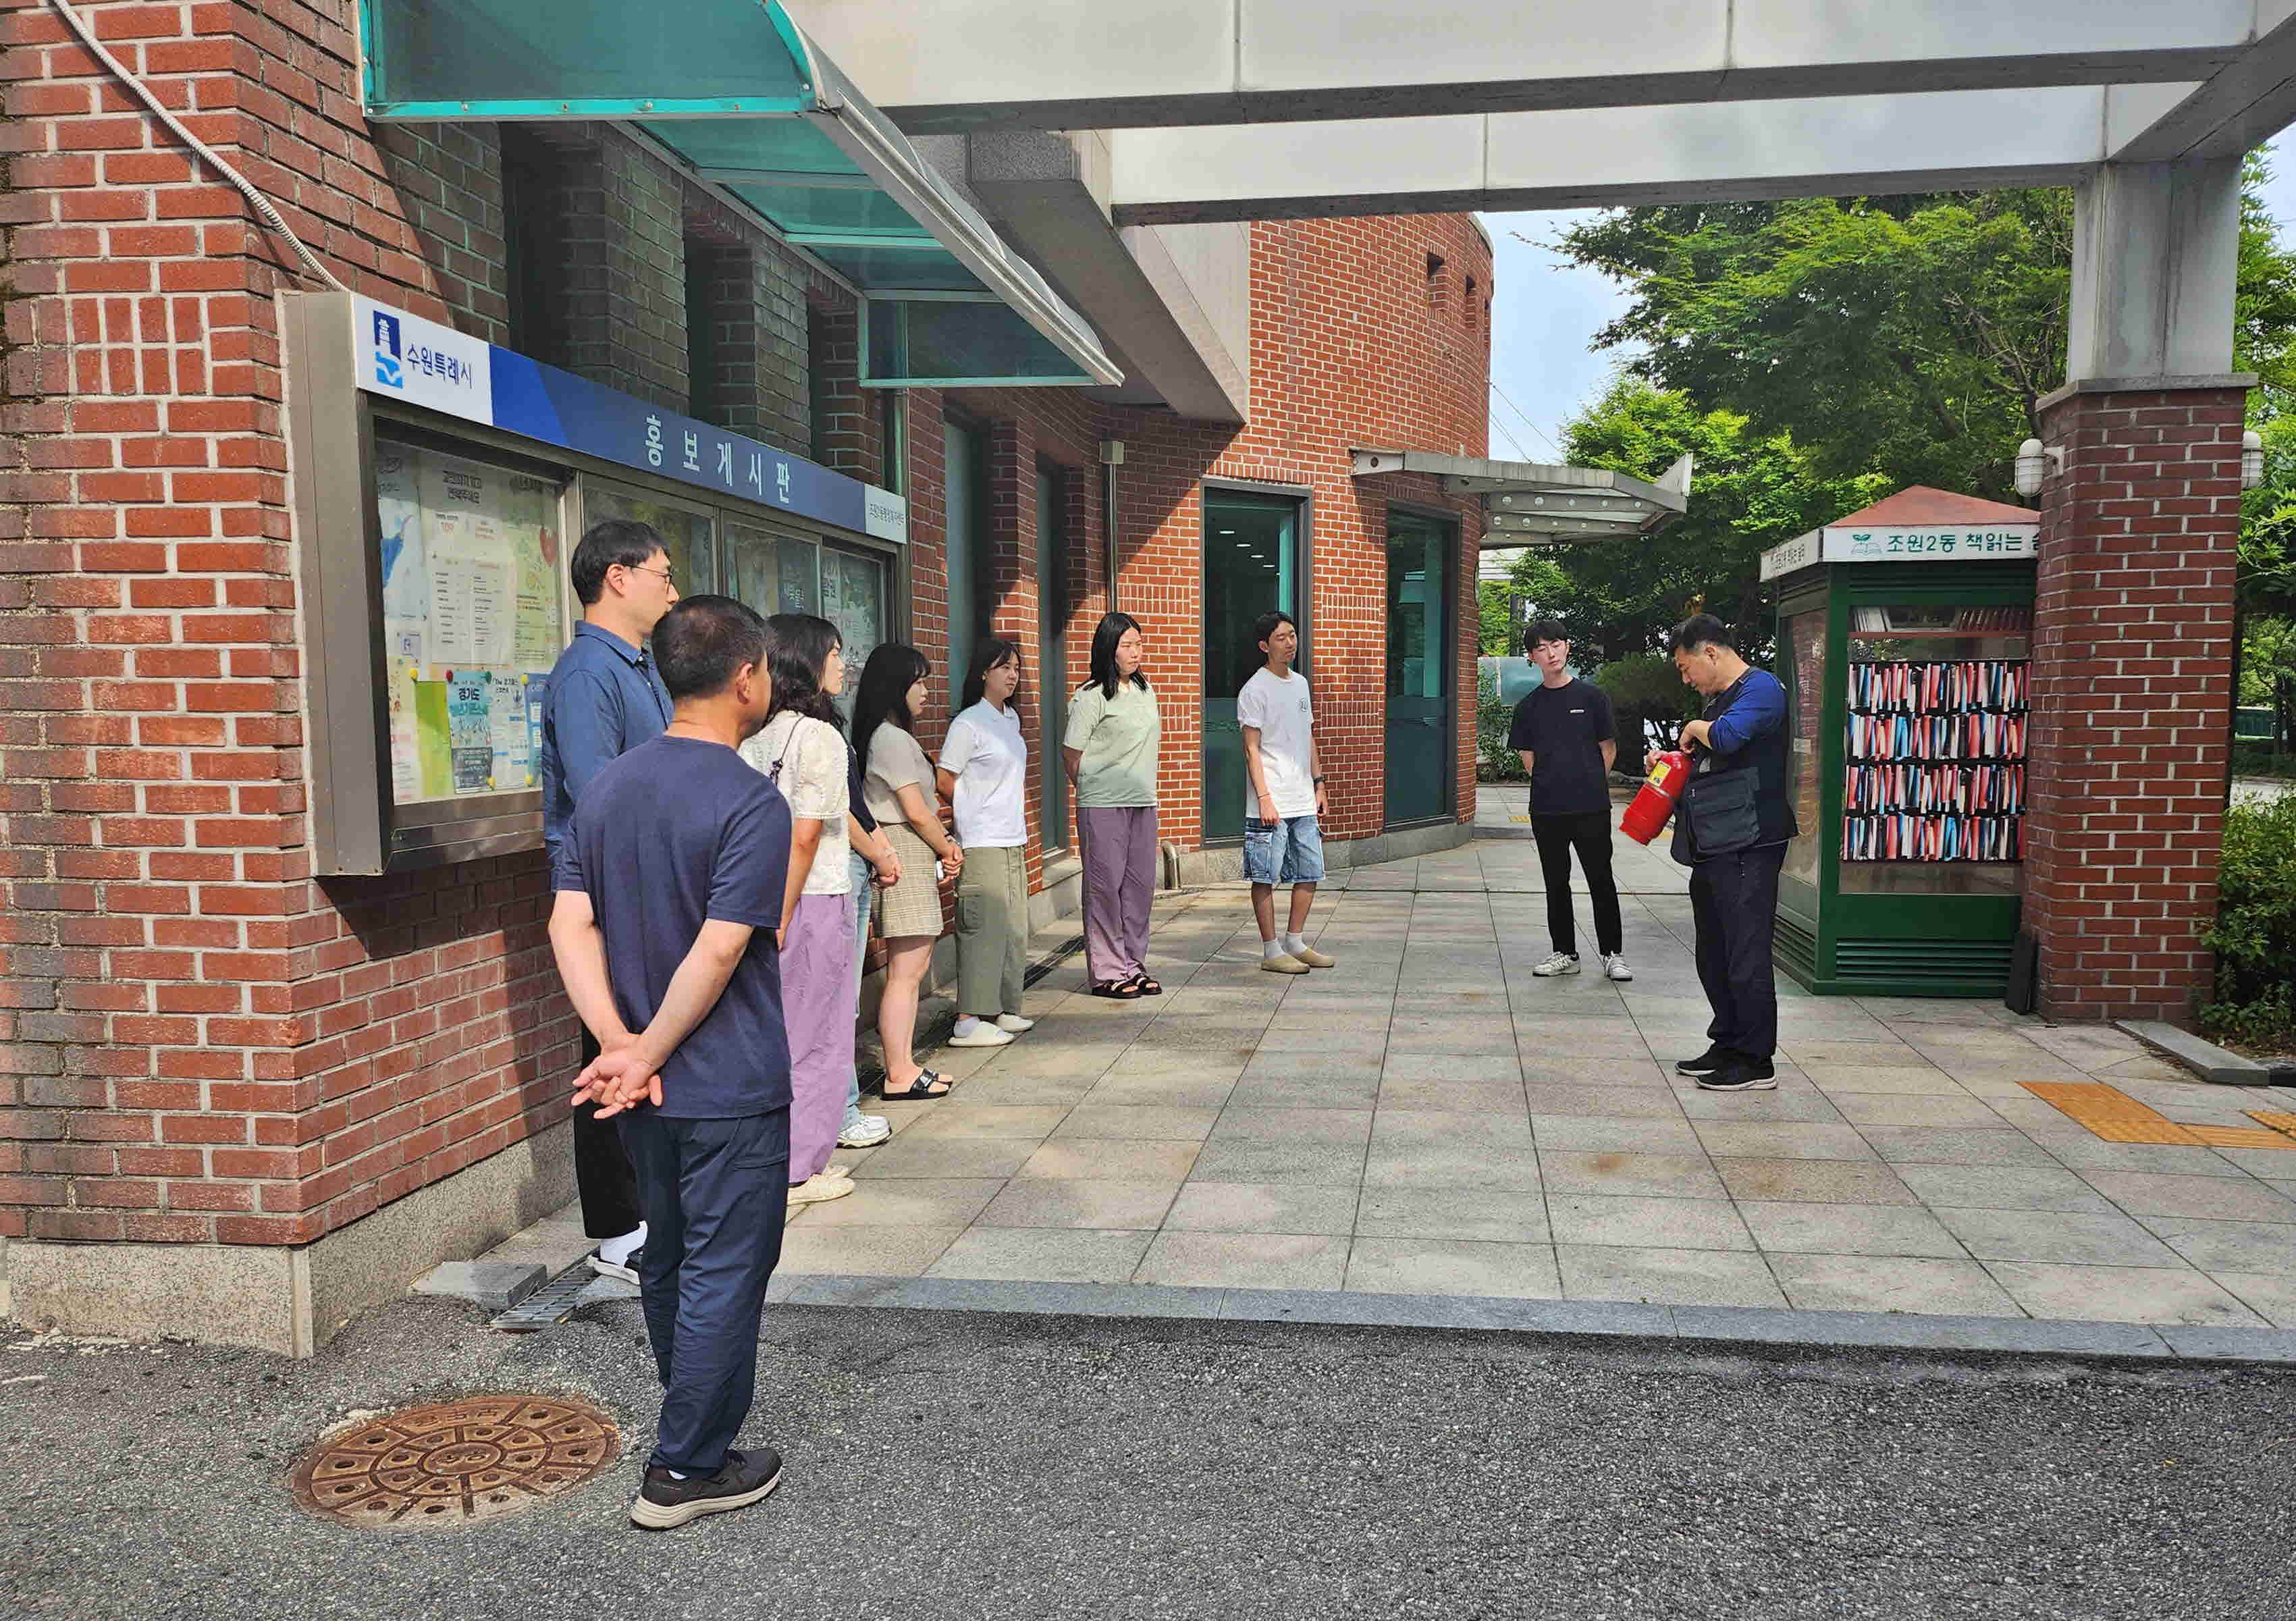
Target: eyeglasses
(669, 576)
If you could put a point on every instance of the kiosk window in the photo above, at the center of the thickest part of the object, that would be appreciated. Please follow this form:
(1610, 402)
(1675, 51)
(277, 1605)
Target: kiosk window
(474, 614)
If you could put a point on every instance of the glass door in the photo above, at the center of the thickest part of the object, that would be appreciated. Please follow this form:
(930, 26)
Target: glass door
(1052, 683)
(1251, 564)
(1419, 687)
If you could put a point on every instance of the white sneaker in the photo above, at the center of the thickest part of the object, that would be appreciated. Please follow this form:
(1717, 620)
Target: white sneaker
(820, 1189)
(1614, 967)
(865, 1131)
(1013, 1024)
(1561, 962)
(983, 1034)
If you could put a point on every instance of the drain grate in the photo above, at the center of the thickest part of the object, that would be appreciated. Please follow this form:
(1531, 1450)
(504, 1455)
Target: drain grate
(550, 1305)
(452, 1463)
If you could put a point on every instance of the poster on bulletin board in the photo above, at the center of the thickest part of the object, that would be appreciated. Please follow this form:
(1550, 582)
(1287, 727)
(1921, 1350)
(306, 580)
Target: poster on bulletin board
(474, 605)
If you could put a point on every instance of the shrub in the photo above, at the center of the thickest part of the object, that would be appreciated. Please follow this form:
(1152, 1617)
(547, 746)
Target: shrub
(2254, 935)
(1644, 687)
(1494, 762)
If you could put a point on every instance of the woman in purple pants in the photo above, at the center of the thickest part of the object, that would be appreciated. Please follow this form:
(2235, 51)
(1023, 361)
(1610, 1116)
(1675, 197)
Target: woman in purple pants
(1109, 748)
(802, 748)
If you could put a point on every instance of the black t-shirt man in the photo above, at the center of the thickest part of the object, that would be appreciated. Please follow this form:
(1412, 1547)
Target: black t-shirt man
(1561, 731)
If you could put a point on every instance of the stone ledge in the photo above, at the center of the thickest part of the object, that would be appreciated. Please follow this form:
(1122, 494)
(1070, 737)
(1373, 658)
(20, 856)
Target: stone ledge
(2172, 384)
(495, 1285)
(2205, 1057)
(1638, 1320)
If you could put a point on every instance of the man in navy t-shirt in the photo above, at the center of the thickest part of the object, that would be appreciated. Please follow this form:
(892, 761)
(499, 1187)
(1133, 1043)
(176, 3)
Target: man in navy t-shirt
(669, 884)
(1563, 733)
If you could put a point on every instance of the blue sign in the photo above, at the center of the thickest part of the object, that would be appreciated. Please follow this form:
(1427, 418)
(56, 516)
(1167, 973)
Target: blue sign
(421, 361)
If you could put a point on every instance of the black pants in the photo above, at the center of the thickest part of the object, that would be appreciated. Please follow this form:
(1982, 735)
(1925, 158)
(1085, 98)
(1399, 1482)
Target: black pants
(602, 1168)
(715, 1194)
(1735, 902)
(1590, 834)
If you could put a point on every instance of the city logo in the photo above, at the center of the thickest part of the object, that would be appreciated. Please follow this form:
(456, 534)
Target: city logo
(387, 368)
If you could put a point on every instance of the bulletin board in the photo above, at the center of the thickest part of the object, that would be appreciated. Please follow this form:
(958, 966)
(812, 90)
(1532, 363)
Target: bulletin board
(475, 612)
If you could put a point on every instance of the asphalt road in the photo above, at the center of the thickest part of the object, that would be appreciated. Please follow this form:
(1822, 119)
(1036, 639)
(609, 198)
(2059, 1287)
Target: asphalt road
(961, 1465)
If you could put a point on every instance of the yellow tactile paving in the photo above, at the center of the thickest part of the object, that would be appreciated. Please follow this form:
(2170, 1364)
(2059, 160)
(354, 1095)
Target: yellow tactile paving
(2240, 1136)
(2114, 1128)
(2086, 1101)
(2278, 1122)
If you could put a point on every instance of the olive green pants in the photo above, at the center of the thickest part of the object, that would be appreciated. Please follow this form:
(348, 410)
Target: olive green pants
(992, 930)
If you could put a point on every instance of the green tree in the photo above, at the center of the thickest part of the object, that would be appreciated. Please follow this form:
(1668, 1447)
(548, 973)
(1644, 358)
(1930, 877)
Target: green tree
(1748, 493)
(1910, 337)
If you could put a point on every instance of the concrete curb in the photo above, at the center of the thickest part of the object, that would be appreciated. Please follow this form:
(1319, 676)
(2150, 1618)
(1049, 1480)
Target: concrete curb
(2210, 1061)
(1715, 1324)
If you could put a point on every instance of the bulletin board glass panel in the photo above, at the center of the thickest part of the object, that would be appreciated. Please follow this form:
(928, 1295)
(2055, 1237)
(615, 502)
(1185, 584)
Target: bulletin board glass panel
(853, 591)
(771, 573)
(689, 535)
(475, 610)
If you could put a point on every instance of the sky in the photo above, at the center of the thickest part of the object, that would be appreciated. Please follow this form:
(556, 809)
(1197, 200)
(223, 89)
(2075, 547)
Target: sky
(1545, 312)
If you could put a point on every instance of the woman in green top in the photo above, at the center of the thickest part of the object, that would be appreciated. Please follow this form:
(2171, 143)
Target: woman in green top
(1109, 748)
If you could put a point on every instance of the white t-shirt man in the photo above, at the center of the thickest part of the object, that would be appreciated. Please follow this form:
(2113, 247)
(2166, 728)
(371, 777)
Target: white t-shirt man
(988, 758)
(1286, 720)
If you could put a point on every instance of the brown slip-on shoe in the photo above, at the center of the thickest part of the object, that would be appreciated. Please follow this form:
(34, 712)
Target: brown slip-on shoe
(1282, 965)
(1314, 958)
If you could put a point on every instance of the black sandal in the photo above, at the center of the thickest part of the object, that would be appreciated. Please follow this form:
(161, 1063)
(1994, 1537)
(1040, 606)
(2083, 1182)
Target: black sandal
(1147, 987)
(919, 1090)
(1126, 990)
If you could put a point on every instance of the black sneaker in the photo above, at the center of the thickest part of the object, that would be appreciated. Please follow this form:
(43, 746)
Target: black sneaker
(1706, 1062)
(666, 1502)
(1742, 1075)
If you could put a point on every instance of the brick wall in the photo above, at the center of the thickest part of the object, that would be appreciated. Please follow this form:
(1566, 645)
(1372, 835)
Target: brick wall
(1354, 344)
(2132, 687)
(199, 1041)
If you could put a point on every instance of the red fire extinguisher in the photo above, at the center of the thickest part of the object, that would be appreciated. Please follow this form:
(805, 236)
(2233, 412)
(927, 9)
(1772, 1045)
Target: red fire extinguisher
(1645, 818)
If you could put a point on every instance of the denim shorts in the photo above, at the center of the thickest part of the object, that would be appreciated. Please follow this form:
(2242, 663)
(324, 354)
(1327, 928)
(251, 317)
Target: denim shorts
(1286, 852)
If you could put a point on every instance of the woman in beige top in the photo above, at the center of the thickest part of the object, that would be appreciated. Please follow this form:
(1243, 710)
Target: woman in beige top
(898, 787)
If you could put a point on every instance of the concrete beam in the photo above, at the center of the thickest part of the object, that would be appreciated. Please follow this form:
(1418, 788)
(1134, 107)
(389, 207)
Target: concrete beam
(1071, 64)
(1047, 191)
(1829, 146)
(2240, 107)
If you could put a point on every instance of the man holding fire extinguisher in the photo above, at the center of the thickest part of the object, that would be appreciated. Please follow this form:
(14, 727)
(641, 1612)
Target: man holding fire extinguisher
(1731, 832)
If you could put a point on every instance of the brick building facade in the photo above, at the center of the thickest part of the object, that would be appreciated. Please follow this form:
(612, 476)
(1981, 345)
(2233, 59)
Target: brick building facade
(243, 1100)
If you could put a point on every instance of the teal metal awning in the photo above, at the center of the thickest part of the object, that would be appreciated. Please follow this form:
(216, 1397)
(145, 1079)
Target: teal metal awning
(735, 90)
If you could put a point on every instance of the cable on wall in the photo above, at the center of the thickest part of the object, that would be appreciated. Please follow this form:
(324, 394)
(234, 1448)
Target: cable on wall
(269, 216)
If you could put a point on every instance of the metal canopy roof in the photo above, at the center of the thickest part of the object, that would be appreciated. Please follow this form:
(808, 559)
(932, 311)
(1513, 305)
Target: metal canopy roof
(1527, 503)
(734, 90)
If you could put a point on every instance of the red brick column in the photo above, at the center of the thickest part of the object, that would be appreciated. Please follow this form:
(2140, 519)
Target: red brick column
(2132, 684)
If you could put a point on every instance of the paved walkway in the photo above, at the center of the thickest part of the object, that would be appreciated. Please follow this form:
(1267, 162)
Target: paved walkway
(1428, 1119)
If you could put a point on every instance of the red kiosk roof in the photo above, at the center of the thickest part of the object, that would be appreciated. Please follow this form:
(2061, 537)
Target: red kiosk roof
(1918, 506)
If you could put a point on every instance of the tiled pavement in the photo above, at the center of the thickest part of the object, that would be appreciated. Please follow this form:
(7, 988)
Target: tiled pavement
(1426, 1119)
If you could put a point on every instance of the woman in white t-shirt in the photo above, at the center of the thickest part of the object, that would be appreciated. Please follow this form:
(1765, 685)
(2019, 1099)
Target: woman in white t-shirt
(803, 750)
(984, 774)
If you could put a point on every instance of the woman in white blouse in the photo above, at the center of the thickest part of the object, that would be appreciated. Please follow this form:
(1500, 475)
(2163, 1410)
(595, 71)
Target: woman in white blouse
(984, 774)
(803, 750)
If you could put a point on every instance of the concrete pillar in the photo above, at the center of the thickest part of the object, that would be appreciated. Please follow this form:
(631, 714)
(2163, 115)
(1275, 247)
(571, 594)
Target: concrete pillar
(2133, 620)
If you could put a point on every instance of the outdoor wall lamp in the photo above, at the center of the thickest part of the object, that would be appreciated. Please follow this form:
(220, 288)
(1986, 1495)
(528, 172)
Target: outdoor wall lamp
(2037, 462)
(2251, 459)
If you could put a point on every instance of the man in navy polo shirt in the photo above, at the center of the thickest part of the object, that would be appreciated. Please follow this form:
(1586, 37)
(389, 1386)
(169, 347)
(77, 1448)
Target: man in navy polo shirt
(604, 699)
(669, 889)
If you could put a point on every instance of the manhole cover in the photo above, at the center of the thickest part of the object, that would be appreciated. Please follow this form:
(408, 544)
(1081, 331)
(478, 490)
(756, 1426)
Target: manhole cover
(452, 1463)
